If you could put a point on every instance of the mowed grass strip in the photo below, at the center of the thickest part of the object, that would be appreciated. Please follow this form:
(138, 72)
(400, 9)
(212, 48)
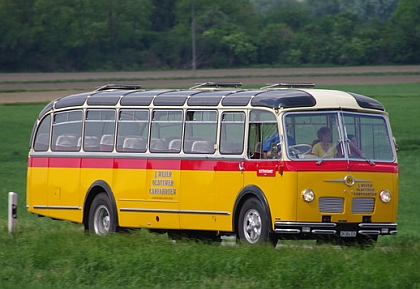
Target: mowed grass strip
(46, 255)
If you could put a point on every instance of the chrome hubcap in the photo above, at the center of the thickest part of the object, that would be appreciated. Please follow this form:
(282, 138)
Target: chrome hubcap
(102, 220)
(252, 226)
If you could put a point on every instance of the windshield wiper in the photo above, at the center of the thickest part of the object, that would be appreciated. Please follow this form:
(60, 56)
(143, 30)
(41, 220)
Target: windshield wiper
(359, 152)
(349, 142)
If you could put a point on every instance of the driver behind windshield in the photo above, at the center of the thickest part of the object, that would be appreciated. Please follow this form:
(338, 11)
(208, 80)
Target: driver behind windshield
(324, 148)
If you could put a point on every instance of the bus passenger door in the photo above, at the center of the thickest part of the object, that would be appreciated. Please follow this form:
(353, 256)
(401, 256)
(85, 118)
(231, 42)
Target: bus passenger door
(229, 169)
(263, 172)
(64, 167)
(63, 192)
(229, 182)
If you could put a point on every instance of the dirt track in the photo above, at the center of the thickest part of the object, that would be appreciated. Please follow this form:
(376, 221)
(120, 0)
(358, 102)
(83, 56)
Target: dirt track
(38, 87)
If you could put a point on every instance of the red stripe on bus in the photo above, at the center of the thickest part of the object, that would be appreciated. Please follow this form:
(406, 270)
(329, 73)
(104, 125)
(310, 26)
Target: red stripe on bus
(123, 163)
(356, 166)
(210, 165)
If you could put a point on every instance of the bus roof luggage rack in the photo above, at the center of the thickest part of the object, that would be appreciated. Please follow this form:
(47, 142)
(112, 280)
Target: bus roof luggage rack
(119, 86)
(214, 84)
(288, 85)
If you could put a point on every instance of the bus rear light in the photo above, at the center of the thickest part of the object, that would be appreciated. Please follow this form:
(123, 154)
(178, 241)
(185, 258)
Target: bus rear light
(385, 196)
(308, 195)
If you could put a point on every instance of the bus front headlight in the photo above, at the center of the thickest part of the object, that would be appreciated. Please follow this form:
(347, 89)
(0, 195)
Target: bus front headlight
(385, 196)
(308, 195)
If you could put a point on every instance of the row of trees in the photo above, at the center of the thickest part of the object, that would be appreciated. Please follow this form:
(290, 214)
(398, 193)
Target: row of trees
(53, 35)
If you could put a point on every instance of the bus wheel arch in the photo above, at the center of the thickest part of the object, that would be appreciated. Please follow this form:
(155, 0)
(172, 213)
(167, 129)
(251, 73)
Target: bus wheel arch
(101, 197)
(251, 204)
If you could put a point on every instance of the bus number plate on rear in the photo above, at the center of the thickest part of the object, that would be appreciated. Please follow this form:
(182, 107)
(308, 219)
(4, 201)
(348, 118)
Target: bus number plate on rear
(348, 234)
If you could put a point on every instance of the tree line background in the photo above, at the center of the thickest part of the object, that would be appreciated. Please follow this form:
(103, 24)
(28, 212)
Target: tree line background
(80, 35)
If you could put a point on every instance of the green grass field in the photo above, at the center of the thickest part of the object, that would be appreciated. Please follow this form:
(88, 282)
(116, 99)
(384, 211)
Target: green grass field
(53, 254)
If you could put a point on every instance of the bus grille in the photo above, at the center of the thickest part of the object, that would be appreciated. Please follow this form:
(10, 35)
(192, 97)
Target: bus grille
(363, 205)
(331, 205)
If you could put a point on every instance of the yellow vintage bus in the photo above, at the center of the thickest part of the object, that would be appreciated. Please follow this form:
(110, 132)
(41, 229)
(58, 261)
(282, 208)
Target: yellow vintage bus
(287, 161)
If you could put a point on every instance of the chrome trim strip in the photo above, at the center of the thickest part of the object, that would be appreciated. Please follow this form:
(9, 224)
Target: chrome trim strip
(287, 231)
(135, 155)
(369, 232)
(40, 207)
(149, 201)
(393, 232)
(343, 181)
(378, 225)
(174, 211)
(300, 224)
(324, 232)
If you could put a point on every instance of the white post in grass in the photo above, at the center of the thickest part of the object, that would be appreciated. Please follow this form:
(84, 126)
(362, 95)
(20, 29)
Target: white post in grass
(12, 211)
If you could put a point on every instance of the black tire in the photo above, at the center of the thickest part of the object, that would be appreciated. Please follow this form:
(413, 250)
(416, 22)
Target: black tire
(102, 218)
(253, 225)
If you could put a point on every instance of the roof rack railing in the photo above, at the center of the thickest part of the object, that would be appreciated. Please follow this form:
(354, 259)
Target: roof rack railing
(119, 86)
(288, 85)
(214, 84)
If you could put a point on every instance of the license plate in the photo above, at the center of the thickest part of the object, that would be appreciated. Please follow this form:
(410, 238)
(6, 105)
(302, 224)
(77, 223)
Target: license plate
(348, 234)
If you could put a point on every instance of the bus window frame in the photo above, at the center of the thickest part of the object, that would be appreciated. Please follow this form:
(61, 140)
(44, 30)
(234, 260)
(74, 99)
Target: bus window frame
(190, 137)
(223, 134)
(73, 135)
(263, 129)
(143, 124)
(37, 134)
(159, 143)
(102, 123)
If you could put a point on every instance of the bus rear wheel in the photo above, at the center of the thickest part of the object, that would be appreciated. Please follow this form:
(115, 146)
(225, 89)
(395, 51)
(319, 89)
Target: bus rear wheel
(102, 220)
(253, 224)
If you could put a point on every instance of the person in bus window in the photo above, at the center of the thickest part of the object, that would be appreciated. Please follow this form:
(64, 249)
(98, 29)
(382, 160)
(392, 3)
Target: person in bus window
(323, 148)
(354, 149)
(274, 139)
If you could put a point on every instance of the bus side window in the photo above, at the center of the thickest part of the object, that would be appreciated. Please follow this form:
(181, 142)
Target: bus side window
(66, 130)
(232, 133)
(200, 131)
(166, 126)
(133, 125)
(257, 152)
(91, 143)
(106, 143)
(262, 126)
(66, 142)
(202, 147)
(175, 145)
(99, 122)
(134, 144)
(42, 137)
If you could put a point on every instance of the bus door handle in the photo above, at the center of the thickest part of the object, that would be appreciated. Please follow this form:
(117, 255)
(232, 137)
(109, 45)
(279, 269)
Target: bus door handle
(241, 166)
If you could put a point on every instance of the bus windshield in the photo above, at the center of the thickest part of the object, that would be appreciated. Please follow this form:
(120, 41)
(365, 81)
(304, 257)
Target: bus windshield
(332, 135)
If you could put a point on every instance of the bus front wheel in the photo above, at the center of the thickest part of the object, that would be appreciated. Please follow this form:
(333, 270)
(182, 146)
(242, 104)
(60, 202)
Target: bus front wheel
(253, 223)
(102, 220)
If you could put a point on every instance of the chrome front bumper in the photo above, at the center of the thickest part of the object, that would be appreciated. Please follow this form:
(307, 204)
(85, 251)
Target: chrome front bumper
(303, 228)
